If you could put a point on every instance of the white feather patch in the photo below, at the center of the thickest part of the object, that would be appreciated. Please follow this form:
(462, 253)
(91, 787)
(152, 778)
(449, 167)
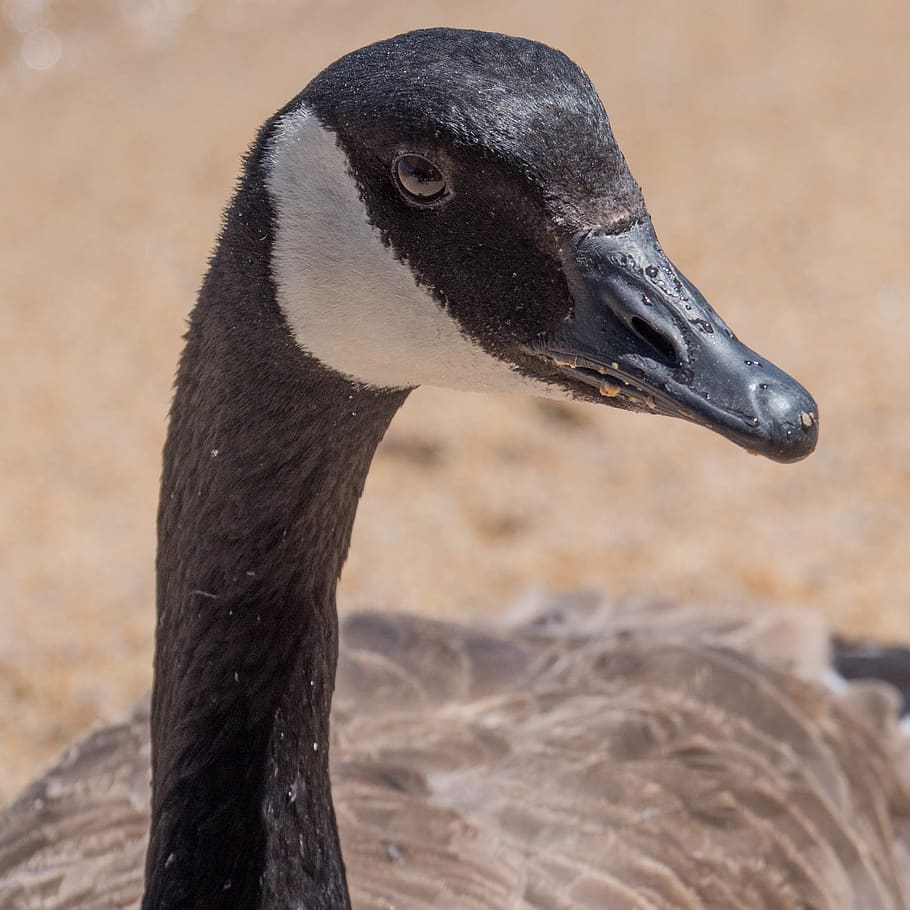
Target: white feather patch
(350, 303)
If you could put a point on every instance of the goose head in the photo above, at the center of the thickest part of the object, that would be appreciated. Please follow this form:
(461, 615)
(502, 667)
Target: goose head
(451, 208)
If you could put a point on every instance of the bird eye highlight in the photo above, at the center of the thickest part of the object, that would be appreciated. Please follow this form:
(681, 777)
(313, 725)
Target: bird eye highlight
(419, 180)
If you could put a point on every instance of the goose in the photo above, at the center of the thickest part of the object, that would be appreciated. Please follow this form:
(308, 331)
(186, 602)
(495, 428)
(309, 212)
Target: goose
(451, 208)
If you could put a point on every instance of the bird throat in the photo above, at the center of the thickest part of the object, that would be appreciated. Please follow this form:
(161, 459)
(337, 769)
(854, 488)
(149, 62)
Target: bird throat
(265, 461)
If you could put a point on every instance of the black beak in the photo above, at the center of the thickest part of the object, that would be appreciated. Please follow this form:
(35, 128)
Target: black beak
(643, 337)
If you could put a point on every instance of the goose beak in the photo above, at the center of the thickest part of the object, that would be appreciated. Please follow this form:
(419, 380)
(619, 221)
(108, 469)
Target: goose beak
(644, 338)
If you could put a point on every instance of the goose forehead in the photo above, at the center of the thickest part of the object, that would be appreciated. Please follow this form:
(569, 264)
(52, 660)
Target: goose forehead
(348, 300)
(518, 101)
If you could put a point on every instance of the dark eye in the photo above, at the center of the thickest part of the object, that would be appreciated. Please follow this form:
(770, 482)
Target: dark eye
(419, 180)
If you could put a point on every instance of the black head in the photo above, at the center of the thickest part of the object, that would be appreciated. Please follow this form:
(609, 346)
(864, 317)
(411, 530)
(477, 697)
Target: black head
(486, 167)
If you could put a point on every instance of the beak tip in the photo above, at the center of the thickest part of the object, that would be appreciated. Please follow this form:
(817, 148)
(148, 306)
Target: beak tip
(801, 446)
(792, 421)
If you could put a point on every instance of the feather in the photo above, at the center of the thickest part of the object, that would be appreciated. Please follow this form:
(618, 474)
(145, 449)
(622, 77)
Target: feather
(582, 755)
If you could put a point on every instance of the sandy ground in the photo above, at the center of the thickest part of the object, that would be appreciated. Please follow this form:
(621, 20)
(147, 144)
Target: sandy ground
(771, 139)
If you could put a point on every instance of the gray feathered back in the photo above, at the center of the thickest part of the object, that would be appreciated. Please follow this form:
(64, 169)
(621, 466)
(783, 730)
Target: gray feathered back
(582, 757)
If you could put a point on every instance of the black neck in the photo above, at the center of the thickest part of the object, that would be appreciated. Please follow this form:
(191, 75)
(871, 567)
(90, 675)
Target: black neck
(265, 461)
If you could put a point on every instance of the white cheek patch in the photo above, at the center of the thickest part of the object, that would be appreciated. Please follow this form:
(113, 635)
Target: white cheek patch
(349, 302)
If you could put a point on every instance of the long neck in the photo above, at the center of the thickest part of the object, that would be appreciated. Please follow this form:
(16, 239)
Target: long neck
(264, 464)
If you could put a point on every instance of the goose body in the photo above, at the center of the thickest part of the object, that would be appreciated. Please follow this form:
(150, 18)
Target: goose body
(450, 208)
(584, 757)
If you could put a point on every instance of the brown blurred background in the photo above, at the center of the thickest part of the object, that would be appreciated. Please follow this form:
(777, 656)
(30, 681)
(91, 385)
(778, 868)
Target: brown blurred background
(771, 139)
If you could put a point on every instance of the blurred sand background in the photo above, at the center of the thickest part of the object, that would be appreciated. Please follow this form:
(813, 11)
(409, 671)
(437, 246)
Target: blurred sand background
(771, 139)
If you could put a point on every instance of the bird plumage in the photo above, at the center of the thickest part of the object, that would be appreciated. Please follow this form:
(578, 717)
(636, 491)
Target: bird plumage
(580, 756)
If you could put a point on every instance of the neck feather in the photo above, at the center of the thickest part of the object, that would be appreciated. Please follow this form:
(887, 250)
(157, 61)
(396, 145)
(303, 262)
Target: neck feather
(265, 461)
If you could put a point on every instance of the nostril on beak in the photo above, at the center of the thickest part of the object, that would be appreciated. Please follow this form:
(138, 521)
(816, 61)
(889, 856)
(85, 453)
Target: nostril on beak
(661, 344)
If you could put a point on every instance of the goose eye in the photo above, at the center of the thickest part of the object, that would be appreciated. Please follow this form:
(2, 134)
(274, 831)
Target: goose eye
(418, 179)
